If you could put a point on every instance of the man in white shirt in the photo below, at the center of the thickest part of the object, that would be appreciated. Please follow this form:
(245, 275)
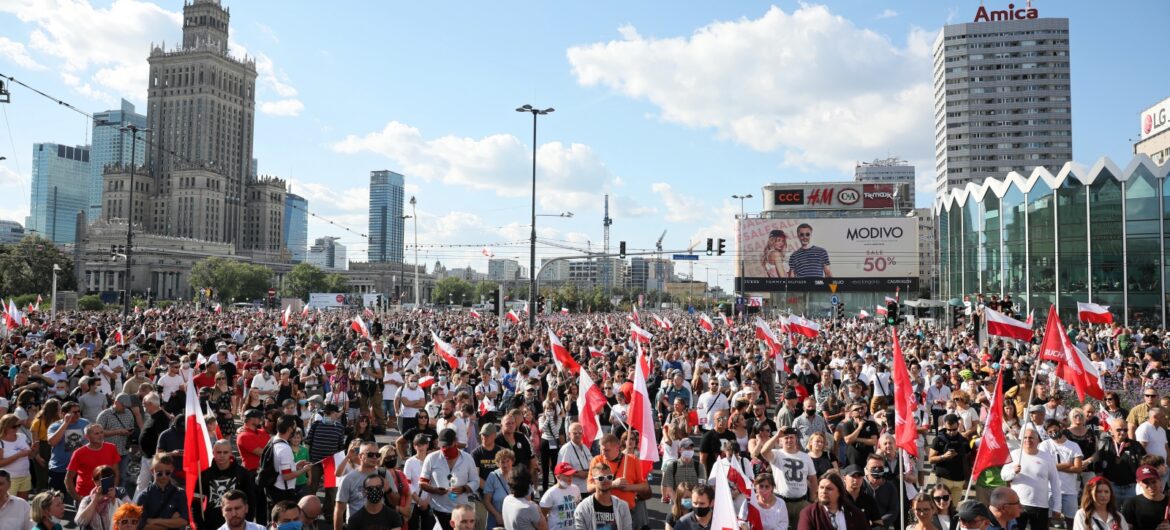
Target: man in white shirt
(792, 468)
(170, 382)
(287, 468)
(14, 511)
(937, 395)
(710, 402)
(1068, 457)
(448, 471)
(408, 402)
(1035, 479)
(1151, 433)
(576, 454)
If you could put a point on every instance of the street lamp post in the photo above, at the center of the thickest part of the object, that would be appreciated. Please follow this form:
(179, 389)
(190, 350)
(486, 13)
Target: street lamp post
(738, 240)
(532, 240)
(399, 295)
(414, 214)
(134, 130)
(53, 298)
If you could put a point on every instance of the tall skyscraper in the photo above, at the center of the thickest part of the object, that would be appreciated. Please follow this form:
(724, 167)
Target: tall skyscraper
(60, 189)
(386, 223)
(111, 145)
(1002, 97)
(327, 253)
(296, 227)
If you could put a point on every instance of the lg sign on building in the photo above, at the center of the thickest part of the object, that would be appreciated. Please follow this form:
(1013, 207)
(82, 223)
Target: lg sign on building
(1156, 119)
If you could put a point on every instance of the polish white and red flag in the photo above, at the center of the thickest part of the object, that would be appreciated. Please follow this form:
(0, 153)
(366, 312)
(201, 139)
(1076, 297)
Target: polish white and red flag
(642, 416)
(1071, 363)
(487, 252)
(803, 326)
(594, 352)
(305, 311)
(196, 441)
(633, 317)
(862, 315)
(561, 356)
(329, 467)
(723, 516)
(474, 313)
(218, 308)
(706, 323)
(727, 321)
(891, 300)
(1001, 325)
(12, 316)
(590, 403)
(359, 326)
(662, 322)
(727, 344)
(764, 333)
(119, 337)
(369, 313)
(881, 310)
(512, 316)
(564, 310)
(1093, 313)
(637, 334)
(446, 351)
(284, 318)
(426, 381)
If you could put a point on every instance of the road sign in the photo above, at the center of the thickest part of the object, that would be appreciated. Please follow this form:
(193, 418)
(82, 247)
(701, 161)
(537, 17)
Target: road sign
(834, 300)
(685, 257)
(272, 292)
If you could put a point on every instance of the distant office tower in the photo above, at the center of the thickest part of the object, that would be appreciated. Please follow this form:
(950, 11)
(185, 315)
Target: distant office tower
(386, 222)
(327, 253)
(60, 189)
(112, 145)
(296, 227)
(1002, 97)
(10, 232)
(888, 171)
(503, 270)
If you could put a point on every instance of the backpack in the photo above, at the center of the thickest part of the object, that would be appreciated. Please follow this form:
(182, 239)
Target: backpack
(267, 474)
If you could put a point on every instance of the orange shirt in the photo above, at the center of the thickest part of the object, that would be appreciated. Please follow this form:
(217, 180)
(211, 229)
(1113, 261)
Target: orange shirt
(627, 467)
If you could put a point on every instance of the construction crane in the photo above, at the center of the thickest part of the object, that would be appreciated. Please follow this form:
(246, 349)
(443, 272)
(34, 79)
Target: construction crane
(659, 283)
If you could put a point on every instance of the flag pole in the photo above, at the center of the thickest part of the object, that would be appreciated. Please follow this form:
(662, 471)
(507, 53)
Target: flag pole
(901, 489)
(1032, 390)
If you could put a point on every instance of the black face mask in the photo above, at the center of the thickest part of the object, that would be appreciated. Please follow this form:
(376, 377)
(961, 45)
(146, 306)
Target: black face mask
(702, 512)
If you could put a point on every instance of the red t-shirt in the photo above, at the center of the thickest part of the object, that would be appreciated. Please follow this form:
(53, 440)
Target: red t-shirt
(204, 380)
(85, 460)
(249, 441)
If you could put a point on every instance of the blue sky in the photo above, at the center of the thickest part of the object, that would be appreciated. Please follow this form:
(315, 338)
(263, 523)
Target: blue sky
(671, 107)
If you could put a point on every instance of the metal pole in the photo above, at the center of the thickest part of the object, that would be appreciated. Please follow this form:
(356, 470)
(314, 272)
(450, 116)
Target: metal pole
(414, 212)
(532, 238)
(129, 222)
(53, 298)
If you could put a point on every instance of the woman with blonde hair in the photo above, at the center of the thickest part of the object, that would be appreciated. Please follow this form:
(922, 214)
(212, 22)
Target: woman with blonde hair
(45, 507)
(681, 504)
(775, 257)
(16, 452)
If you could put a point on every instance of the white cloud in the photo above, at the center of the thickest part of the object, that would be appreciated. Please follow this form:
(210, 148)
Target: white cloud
(679, 208)
(347, 200)
(569, 177)
(268, 31)
(283, 107)
(888, 13)
(625, 207)
(809, 84)
(268, 75)
(18, 54)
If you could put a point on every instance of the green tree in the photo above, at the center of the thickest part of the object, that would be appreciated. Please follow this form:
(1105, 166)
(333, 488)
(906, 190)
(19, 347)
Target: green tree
(335, 283)
(232, 280)
(452, 289)
(91, 302)
(304, 279)
(485, 291)
(27, 267)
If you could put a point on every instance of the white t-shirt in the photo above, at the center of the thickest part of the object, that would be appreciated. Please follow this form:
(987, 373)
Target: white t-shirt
(284, 462)
(1153, 437)
(1064, 453)
(262, 383)
(775, 517)
(708, 405)
(169, 384)
(791, 471)
(413, 395)
(19, 467)
(391, 382)
(560, 503)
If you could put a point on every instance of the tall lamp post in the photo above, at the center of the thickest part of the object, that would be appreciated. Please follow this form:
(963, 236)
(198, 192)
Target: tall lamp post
(53, 299)
(414, 214)
(738, 241)
(532, 240)
(134, 130)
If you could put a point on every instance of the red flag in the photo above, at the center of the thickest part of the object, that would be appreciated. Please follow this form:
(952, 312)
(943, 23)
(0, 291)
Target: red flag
(634, 317)
(642, 416)
(218, 308)
(993, 448)
(862, 315)
(305, 311)
(608, 332)
(445, 351)
(706, 323)
(727, 320)
(905, 427)
(426, 381)
(286, 316)
(637, 334)
(369, 313)
(881, 310)
(359, 326)
(727, 343)
(329, 468)
(196, 444)
(723, 515)
(486, 406)
(594, 352)
(119, 337)
(1001, 325)
(1071, 364)
(564, 310)
(803, 326)
(1093, 313)
(474, 313)
(764, 333)
(513, 317)
(590, 402)
(662, 322)
(561, 356)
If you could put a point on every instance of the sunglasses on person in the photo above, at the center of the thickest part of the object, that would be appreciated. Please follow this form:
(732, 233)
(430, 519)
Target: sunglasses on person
(604, 478)
(374, 454)
(163, 473)
(942, 498)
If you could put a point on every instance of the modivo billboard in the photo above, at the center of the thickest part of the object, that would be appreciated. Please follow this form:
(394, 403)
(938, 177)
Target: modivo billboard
(854, 254)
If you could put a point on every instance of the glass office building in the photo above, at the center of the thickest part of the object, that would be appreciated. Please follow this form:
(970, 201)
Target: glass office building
(387, 189)
(60, 189)
(1084, 234)
(296, 227)
(112, 145)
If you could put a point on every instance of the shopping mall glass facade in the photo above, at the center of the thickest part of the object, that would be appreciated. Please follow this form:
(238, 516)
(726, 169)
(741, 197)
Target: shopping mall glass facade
(1085, 234)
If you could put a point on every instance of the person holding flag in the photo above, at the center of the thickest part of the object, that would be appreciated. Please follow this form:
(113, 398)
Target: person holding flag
(224, 475)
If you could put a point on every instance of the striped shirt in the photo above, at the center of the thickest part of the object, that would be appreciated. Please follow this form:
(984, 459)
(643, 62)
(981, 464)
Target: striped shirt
(809, 262)
(325, 437)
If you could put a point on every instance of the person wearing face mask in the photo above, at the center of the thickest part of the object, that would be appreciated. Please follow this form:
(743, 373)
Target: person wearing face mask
(558, 502)
(809, 421)
(602, 510)
(702, 502)
(285, 515)
(449, 475)
(686, 469)
(375, 515)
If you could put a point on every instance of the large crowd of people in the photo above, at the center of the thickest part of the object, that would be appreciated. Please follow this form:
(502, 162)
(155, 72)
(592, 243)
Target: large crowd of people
(320, 423)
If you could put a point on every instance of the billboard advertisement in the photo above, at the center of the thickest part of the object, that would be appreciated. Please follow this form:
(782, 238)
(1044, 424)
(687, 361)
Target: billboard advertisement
(1155, 119)
(810, 254)
(326, 300)
(833, 196)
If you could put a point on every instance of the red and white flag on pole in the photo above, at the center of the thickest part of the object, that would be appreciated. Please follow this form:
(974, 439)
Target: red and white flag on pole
(512, 316)
(196, 443)
(369, 313)
(330, 465)
(284, 318)
(862, 315)
(1093, 313)
(662, 322)
(723, 516)
(706, 323)
(891, 300)
(590, 402)
(764, 333)
(642, 416)
(218, 308)
(446, 352)
(564, 310)
(634, 316)
(605, 325)
(905, 426)
(637, 334)
(594, 352)
(1001, 325)
(487, 252)
(561, 356)
(305, 311)
(727, 344)
(803, 326)
(119, 337)
(359, 326)
(993, 448)
(727, 320)
(486, 406)
(1071, 364)
(474, 313)
(881, 310)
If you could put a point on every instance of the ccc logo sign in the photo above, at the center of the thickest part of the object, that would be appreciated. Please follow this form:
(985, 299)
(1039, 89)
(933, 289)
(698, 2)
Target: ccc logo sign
(789, 197)
(848, 196)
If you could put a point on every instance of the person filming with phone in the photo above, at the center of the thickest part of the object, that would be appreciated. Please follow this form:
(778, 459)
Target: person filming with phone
(96, 510)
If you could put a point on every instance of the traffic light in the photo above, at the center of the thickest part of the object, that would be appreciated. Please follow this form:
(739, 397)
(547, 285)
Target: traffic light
(840, 310)
(497, 301)
(722, 247)
(710, 246)
(622, 250)
(956, 317)
(891, 313)
(540, 304)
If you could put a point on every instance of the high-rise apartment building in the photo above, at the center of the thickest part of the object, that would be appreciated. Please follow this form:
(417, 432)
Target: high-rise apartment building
(387, 189)
(60, 189)
(1002, 96)
(112, 146)
(327, 253)
(296, 227)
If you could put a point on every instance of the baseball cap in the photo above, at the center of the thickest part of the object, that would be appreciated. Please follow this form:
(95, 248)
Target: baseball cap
(687, 443)
(488, 429)
(970, 510)
(330, 408)
(1147, 472)
(852, 470)
(564, 468)
(447, 437)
